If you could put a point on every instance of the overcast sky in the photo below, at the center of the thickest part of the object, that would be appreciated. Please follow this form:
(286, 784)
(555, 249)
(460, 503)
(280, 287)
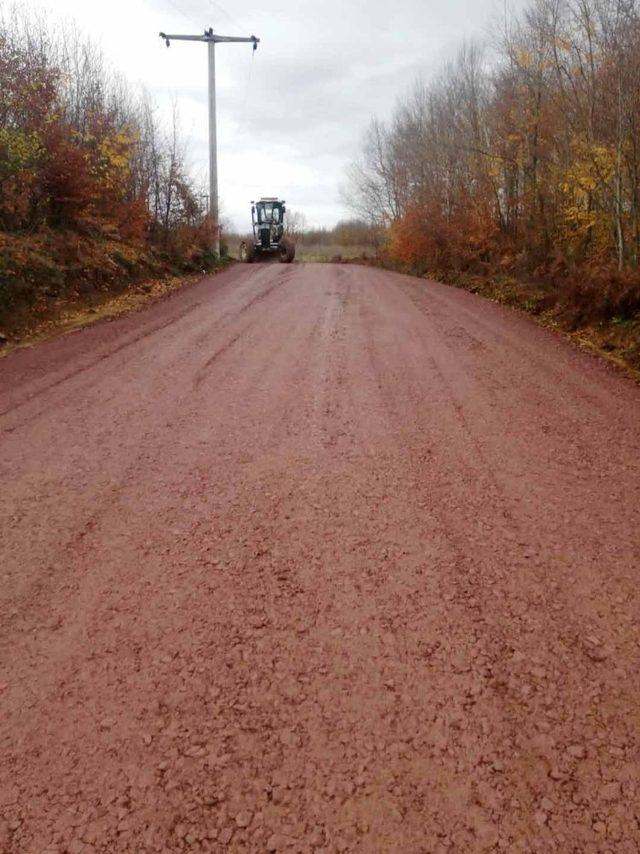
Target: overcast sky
(291, 117)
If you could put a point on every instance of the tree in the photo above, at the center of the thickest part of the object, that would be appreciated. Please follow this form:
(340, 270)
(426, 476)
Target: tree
(532, 155)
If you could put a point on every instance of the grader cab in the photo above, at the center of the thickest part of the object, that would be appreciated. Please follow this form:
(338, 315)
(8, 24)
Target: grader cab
(268, 239)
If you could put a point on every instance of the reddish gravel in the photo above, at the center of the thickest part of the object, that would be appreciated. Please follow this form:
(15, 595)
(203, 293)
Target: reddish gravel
(318, 558)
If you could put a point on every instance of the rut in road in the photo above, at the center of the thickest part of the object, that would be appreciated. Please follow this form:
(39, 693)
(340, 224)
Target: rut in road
(320, 558)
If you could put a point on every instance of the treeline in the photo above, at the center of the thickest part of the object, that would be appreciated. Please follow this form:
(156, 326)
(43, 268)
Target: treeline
(92, 188)
(346, 233)
(523, 158)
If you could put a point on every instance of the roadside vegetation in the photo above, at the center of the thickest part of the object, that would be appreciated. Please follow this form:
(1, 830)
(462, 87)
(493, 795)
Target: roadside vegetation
(516, 172)
(94, 193)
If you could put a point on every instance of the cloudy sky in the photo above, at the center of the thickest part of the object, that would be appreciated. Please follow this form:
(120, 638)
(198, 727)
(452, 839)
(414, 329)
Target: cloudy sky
(290, 117)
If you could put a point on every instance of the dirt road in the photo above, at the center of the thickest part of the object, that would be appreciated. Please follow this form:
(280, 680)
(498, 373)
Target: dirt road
(318, 558)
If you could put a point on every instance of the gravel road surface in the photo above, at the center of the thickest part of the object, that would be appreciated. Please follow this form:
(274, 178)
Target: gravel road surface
(318, 558)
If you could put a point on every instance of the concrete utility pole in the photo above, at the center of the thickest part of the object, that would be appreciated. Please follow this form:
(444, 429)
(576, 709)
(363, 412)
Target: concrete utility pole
(211, 39)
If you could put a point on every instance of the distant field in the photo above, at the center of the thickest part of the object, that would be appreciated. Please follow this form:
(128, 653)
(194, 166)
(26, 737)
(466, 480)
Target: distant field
(315, 252)
(332, 252)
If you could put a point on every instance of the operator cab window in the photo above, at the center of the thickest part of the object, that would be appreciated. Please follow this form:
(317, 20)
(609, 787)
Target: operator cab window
(266, 213)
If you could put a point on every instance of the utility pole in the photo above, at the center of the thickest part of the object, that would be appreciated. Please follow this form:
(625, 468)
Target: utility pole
(211, 39)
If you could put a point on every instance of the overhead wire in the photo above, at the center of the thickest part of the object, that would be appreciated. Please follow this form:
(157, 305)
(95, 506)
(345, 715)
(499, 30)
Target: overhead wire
(241, 29)
(218, 7)
(191, 17)
(176, 8)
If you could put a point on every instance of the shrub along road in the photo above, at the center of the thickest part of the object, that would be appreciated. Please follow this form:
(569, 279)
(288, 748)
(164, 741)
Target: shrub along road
(318, 558)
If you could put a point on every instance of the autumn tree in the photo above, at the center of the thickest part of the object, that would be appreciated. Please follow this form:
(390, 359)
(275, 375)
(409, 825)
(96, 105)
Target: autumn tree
(523, 155)
(78, 149)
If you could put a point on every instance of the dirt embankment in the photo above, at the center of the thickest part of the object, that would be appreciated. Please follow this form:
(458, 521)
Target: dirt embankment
(51, 282)
(587, 315)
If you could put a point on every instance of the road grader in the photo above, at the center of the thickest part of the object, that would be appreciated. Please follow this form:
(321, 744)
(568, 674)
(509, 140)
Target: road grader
(268, 239)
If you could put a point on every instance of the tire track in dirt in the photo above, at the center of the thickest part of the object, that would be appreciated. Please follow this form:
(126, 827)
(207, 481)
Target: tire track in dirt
(558, 635)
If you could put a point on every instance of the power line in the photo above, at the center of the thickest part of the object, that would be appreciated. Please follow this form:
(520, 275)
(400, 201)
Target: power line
(176, 8)
(229, 18)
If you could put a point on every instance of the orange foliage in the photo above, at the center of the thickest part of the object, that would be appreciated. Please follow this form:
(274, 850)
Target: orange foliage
(92, 192)
(423, 239)
(66, 180)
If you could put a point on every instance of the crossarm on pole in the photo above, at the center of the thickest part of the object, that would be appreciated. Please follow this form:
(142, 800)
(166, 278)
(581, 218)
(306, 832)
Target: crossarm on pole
(169, 37)
(235, 39)
(208, 37)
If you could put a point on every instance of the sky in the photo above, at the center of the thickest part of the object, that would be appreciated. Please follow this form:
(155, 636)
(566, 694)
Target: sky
(291, 117)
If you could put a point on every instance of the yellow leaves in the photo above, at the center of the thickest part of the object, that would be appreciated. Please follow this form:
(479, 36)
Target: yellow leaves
(591, 171)
(580, 217)
(523, 57)
(19, 150)
(585, 189)
(109, 152)
(113, 160)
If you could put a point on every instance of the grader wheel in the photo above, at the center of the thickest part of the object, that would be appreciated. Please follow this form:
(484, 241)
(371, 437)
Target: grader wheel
(286, 251)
